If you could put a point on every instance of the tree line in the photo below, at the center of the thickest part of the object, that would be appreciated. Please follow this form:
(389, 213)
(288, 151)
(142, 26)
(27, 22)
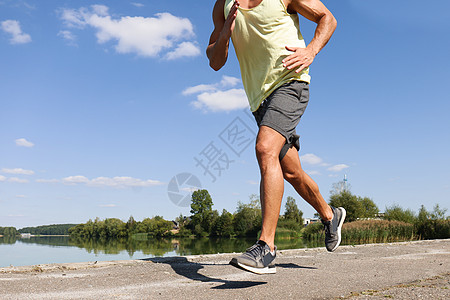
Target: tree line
(245, 221)
(116, 228)
(54, 229)
(8, 231)
(424, 225)
(203, 221)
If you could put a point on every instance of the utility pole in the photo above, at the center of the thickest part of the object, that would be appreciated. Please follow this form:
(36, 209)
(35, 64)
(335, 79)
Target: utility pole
(345, 182)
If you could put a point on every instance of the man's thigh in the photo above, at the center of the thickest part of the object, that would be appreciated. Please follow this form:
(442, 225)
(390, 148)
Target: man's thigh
(282, 111)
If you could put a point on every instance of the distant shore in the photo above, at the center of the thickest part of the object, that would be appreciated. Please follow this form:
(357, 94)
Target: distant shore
(42, 235)
(38, 235)
(394, 270)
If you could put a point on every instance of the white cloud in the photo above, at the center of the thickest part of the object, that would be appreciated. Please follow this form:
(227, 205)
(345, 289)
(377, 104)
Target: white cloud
(137, 4)
(73, 18)
(189, 189)
(215, 97)
(116, 182)
(24, 143)
(229, 81)
(338, 168)
(17, 171)
(221, 100)
(75, 180)
(21, 196)
(100, 10)
(2, 178)
(252, 182)
(123, 182)
(13, 28)
(17, 180)
(199, 89)
(144, 36)
(311, 159)
(184, 49)
(68, 36)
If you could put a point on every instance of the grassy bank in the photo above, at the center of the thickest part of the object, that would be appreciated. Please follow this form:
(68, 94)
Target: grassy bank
(367, 231)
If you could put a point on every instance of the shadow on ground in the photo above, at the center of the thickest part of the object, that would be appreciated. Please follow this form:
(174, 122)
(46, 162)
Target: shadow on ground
(294, 266)
(190, 270)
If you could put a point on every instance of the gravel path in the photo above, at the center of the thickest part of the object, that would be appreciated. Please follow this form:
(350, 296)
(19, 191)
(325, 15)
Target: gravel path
(411, 270)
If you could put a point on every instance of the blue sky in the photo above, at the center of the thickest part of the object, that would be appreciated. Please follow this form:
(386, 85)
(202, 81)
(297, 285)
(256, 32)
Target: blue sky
(102, 104)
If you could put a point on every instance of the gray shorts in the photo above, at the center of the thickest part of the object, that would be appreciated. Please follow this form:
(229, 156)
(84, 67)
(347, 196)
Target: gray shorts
(282, 111)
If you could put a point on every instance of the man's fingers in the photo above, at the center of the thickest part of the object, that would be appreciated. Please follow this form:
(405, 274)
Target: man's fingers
(293, 65)
(233, 12)
(289, 60)
(289, 48)
(233, 9)
(300, 69)
(299, 66)
(298, 60)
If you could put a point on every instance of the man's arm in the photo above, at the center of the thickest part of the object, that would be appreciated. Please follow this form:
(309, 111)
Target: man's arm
(219, 41)
(315, 11)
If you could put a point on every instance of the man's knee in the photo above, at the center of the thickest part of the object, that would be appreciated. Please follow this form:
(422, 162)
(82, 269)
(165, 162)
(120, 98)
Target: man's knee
(266, 150)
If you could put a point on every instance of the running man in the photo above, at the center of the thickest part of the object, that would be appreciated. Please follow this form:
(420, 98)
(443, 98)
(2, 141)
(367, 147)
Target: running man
(274, 63)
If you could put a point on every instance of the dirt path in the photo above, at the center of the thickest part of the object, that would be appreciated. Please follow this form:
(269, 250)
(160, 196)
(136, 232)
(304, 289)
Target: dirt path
(409, 270)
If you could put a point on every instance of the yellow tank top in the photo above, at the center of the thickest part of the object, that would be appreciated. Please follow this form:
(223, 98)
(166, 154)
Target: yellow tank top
(259, 39)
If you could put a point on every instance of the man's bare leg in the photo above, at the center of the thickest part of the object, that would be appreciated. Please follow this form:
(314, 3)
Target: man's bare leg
(268, 146)
(303, 184)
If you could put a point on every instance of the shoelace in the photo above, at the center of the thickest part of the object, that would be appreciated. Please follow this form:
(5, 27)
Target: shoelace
(254, 250)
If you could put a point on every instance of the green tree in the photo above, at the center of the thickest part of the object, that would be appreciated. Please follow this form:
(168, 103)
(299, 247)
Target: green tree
(423, 215)
(255, 202)
(54, 229)
(183, 224)
(8, 231)
(291, 211)
(356, 207)
(131, 225)
(438, 213)
(369, 208)
(201, 203)
(224, 225)
(203, 215)
(395, 212)
(159, 227)
(432, 225)
(351, 204)
(247, 220)
(114, 228)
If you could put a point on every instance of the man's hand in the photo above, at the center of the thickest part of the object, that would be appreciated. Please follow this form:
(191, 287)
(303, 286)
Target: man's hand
(228, 26)
(217, 50)
(300, 59)
(315, 11)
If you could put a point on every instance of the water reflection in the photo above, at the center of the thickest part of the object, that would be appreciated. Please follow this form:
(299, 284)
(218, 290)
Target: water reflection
(156, 247)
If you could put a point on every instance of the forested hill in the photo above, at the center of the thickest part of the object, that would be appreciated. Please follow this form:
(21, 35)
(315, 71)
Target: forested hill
(55, 229)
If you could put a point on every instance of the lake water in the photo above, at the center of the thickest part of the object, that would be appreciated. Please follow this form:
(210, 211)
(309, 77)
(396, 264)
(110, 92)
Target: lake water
(45, 250)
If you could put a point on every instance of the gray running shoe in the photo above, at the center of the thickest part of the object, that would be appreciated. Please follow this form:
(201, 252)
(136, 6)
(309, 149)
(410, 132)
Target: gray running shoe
(333, 228)
(256, 259)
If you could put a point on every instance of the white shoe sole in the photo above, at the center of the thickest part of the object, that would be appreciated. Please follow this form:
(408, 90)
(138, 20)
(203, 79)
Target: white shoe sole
(344, 214)
(265, 270)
